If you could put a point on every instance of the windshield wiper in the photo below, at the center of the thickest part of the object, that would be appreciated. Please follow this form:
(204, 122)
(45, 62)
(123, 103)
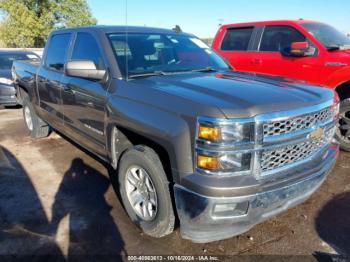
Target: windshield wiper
(333, 48)
(205, 70)
(338, 47)
(155, 73)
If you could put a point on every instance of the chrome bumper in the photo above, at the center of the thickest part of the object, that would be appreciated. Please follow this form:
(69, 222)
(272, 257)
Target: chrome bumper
(201, 223)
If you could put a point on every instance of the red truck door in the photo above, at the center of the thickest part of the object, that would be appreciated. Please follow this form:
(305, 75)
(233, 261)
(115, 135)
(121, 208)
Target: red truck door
(233, 44)
(269, 59)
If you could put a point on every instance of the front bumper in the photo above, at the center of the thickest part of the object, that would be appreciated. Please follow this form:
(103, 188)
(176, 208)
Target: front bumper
(7, 95)
(200, 221)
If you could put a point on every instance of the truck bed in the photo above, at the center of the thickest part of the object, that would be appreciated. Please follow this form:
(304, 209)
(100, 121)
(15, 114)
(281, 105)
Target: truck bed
(24, 73)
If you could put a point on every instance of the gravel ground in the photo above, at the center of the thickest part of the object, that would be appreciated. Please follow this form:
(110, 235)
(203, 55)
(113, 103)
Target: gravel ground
(57, 199)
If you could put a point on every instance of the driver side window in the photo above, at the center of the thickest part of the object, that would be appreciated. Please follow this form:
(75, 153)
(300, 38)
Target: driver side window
(86, 48)
(279, 38)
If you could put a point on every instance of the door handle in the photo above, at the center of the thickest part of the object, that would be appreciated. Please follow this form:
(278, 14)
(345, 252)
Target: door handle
(67, 89)
(256, 61)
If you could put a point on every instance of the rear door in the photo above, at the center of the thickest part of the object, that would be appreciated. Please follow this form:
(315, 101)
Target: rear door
(236, 46)
(49, 78)
(270, 60)
(84, 99)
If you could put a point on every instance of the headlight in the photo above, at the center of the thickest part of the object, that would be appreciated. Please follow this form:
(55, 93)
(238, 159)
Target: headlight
(225, 163)
(214, 135)
(5, 81)
(226, 132)
(336, 105)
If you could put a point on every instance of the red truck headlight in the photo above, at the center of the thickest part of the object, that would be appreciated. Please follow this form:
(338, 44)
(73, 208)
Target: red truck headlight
(336, 105)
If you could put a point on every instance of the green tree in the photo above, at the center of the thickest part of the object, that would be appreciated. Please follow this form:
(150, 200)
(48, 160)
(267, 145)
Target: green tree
(27, 23)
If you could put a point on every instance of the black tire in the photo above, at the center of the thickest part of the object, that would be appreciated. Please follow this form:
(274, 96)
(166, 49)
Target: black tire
(344, 122)
(39, 128)
(164, 220)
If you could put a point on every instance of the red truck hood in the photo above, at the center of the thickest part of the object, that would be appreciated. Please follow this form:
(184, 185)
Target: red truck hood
(341, 53)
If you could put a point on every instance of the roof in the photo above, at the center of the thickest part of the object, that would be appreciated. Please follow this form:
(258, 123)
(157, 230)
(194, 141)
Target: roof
(272, 22)
(122, 29)
(11, 51)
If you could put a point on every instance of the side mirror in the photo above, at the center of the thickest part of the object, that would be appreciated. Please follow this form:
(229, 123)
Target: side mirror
(84, 69)
(301, 49)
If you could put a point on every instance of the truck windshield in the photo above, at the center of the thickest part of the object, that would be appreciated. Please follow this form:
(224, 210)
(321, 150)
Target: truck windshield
(143, 54)
(330, 37)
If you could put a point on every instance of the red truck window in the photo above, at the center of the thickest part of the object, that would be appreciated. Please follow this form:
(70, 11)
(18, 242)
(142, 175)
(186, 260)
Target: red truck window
(237, 39)
(278, 38)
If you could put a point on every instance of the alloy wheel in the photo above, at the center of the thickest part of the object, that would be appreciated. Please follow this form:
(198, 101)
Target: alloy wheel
(141, 193)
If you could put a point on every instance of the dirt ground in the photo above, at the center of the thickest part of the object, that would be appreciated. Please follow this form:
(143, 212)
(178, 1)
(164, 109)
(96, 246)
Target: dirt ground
(57, 199)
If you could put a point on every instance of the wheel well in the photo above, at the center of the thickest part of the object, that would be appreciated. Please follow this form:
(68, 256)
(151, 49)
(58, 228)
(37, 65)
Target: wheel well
(21, 90)
(134, 139)
(344, 90)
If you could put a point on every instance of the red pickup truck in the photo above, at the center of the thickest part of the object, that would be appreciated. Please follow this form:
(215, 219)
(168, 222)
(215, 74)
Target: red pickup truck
(311, 51)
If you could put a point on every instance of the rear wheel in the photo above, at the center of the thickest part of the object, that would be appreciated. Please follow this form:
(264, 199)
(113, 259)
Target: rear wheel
(36, 127)
(343, 131)
(144, 190)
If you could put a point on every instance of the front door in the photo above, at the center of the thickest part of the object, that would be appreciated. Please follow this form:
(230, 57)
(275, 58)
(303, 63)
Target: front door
(84, 99)
(270, 60)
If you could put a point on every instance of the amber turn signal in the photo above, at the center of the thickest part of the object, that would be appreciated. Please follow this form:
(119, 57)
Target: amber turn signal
(209, 133)
(208, 162)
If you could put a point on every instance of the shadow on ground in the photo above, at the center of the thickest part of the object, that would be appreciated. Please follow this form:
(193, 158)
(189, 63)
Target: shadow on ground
(333, 223)
(25, 228)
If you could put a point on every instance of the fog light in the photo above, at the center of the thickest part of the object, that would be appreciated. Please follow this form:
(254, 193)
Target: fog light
(230, 209)
(208, 162)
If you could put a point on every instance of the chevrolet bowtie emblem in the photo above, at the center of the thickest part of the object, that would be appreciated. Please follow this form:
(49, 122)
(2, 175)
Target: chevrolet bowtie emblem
(318, 133)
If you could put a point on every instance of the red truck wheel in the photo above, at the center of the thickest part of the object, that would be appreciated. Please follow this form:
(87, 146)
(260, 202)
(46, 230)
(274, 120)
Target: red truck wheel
(343, 132)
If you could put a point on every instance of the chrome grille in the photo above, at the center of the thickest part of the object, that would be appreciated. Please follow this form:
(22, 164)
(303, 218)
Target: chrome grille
(276, 128)
(281, 157)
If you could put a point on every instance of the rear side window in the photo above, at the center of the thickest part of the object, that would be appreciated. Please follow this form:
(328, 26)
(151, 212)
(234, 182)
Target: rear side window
(279, 38)
(237, 39)
(57, 51)
(86, 48)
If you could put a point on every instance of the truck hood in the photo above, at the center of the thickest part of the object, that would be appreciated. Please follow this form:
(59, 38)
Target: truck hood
(347, 51)
(339, 55)
(240, 94)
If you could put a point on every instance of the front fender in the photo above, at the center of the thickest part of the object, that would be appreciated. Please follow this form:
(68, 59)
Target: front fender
(338, 77)
(171, 131)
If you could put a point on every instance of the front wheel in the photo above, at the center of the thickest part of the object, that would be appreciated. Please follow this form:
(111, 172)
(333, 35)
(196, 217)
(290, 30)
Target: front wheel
(144, 190)
(343, 131)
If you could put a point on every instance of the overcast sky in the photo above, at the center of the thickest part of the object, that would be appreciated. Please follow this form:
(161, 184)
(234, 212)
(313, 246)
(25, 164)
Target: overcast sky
(201, 17)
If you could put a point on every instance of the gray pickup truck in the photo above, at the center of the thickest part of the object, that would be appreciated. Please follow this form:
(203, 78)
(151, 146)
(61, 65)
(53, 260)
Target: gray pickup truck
(188, 137)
